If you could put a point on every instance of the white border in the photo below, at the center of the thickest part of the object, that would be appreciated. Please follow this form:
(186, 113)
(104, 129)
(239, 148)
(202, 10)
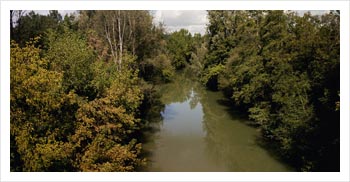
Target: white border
(173, 5)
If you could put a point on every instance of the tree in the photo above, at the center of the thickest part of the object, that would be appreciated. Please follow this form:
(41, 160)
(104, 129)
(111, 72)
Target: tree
(179, 45)
(141, 39)
(120, 30)
(221, 39)
(198, 54)
(105, 125)
(72, 61)
(40, 120)
(32, 25)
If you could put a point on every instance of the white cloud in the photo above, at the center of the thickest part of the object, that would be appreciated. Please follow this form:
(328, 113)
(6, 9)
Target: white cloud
(62, 12)
(193, 21)
(313, 12)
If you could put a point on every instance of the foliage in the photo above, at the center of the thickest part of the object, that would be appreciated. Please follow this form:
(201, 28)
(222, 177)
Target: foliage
(274, 64)
(159, 66)
(54, 129)
(198, 54)
(39, 120)
(211, 75)
(106, 124)
(138, 37)
(33, 24)
(71, 60)
(179, 45)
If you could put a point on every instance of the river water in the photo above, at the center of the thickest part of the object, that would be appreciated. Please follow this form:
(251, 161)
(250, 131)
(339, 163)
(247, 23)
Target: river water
(199, 132)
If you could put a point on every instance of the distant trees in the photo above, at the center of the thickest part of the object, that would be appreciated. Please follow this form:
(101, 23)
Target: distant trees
(132, 33)
(273, 65)
(179, 45)
(32, 25)
(198, 54)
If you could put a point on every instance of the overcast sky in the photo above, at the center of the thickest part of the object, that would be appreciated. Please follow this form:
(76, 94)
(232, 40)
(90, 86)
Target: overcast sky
(193, 21)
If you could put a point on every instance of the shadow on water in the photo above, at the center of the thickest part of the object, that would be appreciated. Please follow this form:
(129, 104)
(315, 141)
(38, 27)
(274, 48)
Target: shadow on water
(152, 121)
(146, 137)
(238, 115)
(271, 148)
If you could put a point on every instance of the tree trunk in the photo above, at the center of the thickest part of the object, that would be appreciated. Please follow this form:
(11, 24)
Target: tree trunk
(120, 40)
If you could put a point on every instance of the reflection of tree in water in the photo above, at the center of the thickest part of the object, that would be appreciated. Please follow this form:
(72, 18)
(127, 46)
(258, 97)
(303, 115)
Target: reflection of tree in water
(181, 90)
(217, 149)
(230, 142)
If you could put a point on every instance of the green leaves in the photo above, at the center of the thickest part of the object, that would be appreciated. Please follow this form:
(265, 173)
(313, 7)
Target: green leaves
(73, 60)
(212, 74)
(179, 44)
(269, 63)
(72, 107)
(55, 129)
(105, 124)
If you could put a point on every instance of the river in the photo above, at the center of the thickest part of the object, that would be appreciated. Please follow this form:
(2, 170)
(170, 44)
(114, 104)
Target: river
(199, 132)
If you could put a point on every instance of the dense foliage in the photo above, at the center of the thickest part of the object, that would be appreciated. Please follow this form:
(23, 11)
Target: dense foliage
(283, 69)
(73, 107)
(83, 86)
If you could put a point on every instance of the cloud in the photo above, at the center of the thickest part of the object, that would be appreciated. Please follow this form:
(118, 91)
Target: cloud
(313, 12)
(193, 21)
(62, 12)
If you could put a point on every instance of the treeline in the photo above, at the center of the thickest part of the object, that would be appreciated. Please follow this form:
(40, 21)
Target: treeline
(81, 87)
(283, 70)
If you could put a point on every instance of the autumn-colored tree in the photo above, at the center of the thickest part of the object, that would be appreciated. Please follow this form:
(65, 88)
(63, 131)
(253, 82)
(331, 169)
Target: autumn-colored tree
(72, 109)
(40, 125)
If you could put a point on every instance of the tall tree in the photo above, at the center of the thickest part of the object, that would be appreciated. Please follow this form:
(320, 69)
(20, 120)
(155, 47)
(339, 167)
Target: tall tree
(120, 30)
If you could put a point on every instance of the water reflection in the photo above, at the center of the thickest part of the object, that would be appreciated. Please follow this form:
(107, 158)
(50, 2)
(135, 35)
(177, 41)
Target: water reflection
(199, 133)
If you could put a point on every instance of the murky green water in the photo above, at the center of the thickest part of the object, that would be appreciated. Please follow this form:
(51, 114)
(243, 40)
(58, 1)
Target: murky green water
(200, 133)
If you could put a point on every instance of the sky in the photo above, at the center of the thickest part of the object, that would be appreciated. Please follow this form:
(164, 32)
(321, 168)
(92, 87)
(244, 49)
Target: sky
(193, 21)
